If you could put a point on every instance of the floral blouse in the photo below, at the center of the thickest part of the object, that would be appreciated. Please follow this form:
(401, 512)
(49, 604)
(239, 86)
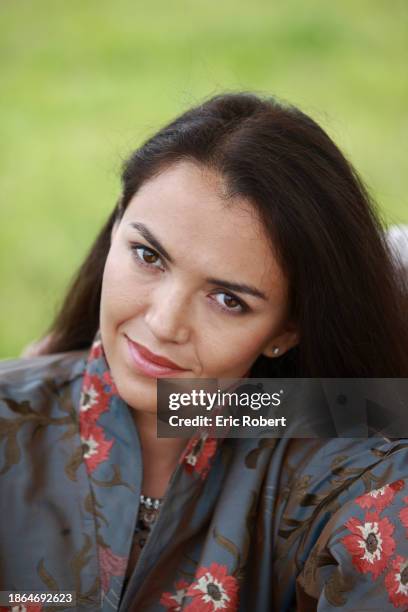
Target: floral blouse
(246, 524)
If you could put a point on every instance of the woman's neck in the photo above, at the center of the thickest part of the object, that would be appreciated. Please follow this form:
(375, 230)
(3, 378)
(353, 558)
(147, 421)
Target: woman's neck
(160, 455)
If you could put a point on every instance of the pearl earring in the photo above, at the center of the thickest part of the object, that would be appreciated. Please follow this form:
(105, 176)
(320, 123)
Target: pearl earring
(275, 350)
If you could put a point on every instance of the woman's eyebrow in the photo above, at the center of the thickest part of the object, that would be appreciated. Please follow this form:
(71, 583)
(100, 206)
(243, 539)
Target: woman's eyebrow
(240, 287)
(155, 242)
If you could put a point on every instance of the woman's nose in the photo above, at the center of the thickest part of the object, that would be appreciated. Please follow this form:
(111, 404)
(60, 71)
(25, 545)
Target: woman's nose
(167, 317)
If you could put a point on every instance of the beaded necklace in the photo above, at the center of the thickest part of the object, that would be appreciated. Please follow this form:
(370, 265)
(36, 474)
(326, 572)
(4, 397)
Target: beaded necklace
(148, 512)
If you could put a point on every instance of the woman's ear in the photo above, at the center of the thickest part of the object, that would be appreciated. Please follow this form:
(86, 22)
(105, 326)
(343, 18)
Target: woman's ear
(278, 345)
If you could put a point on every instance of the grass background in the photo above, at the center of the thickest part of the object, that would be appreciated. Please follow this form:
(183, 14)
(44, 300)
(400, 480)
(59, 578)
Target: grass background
(83, 83)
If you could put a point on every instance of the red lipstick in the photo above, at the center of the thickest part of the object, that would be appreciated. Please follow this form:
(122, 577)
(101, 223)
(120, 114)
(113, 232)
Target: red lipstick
(149, 363)
(156, 358)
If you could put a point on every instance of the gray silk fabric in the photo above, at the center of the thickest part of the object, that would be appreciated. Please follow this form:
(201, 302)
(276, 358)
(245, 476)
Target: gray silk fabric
(274, 524)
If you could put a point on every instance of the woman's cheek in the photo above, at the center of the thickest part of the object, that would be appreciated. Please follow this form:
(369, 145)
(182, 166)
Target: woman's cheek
(123, 290)
(234, 354)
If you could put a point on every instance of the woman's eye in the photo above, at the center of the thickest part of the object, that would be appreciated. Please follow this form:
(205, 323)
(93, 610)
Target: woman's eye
(229, 302)
(147, 257)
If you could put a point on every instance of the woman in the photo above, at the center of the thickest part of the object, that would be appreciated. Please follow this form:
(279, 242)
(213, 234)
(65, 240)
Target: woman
(243, 244)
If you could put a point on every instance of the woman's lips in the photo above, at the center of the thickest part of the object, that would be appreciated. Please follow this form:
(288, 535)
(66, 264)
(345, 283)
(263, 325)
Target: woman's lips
(150, 364)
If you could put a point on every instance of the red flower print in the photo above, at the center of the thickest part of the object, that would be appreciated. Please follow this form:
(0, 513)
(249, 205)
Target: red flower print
(378, 499)
(371, 543)
(198, 454)
(96, 350)
(403, 514)
(108, 380)
(396, 582)
(213, 590)
(110, 565)
(95, 446)
(173, 601)
(94, 400)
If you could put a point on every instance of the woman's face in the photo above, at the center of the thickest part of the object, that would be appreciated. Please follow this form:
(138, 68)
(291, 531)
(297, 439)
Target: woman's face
(192, 279)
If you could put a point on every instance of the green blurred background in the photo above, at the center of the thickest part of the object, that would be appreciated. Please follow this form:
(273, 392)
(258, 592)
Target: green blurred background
(83, 83)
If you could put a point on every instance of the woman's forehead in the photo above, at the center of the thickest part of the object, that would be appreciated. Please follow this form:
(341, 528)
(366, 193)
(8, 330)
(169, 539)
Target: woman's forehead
(189, 202)
(186, 208)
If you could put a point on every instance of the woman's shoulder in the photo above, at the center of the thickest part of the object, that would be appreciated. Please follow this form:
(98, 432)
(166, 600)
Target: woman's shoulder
(321, 476)
(39, 397)
(345, 513)
(26, 376)
(334, 455)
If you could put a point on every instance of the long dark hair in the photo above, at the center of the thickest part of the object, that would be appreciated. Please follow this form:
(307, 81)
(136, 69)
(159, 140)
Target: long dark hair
(345, 293)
